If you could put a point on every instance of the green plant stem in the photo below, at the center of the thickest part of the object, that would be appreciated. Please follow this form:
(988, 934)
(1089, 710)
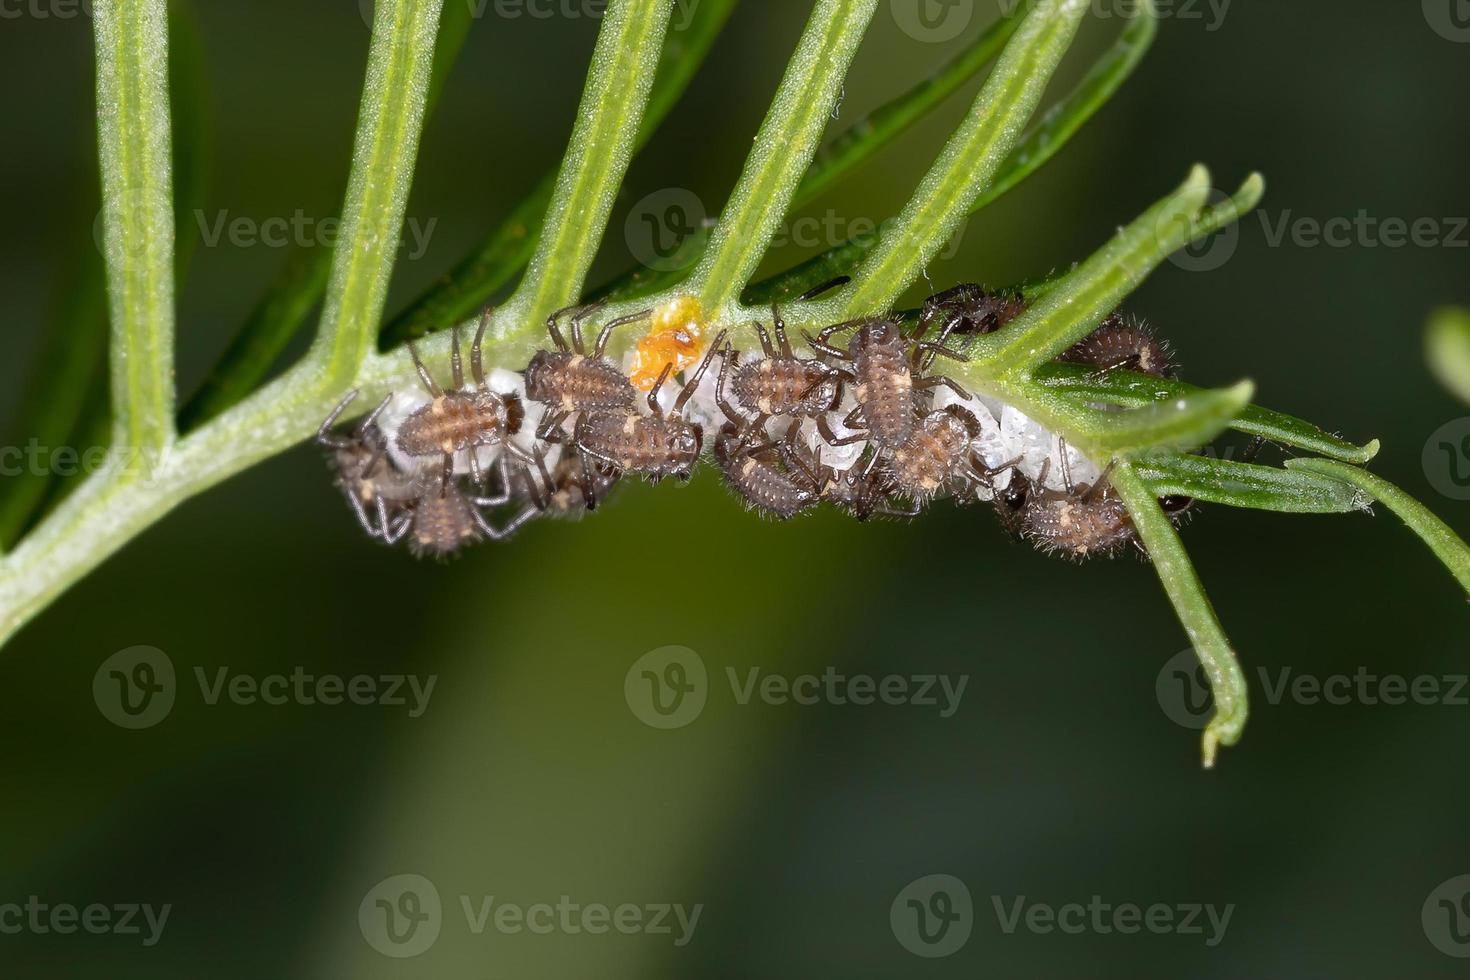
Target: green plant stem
(1176, 572)
(597, 158)
(970, 160)
(1447, 546)
(138, 227)
(783, 149)
(389, 125)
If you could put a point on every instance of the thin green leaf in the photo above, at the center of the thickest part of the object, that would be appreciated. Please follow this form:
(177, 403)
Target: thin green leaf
(386, 149)
(249, 357)
(1235, 484)
(138, 221)
(1081, 385)
(1448, 546)
(597, 158)
(501, 257)
(1056, 128)
(783, 149)
(1447, 346)
(1192, 605)
(970, 160)
(864, 138)
(1072, 308)
(1183, 423)
(69, 365)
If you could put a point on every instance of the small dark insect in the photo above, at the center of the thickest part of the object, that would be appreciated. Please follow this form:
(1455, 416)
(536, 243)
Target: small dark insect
(656, 445)
(970, 310)
(780, 383)
(569, 380)
(1081, 520)
(938, 456)
(882, 368)
(463, 419)
(1121, 342)
(441, 523)
(759, 478)
(1010, 504)
(863, 490)
(378, 492)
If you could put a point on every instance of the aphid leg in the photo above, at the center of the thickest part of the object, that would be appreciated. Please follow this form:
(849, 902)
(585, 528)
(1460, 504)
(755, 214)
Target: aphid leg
(1100, 486)
(503, 497)
(853, 418)
(362, 515)
(827, 286)
(722, 399)
(927, 361)
(825, 429)
(371, 418)
(430, 385)
(477, 473)
(554, 331)
(456, 360)
(448, 475)
(477, 354)
(324, 435)
(663, 376)
(940, 380)
(580, 317)
(551, 423)
(394, 534)
(489, 530)
(540, 502)
(693, 383)
(765, 338)
(822, 347)
(936, 349)
(621, 321)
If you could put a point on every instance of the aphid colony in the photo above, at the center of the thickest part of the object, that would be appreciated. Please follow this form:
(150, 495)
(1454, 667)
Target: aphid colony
(863, 422)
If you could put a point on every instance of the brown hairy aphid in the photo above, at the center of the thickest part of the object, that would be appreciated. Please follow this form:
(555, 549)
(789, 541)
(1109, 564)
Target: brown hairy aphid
(1079, 522)
(779, 383)
(970, 310)
(568, 380)
(463, 419)
(1121, 342)
(656, 445)
(446, 519)
(938, 457)
(759, 478)
(881, 366)
(378, 492)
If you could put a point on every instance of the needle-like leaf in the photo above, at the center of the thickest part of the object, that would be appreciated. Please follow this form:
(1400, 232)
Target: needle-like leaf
(1184, 423)
(1235, 484)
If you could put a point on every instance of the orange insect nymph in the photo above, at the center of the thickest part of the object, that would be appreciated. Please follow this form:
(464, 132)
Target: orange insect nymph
(673, 339)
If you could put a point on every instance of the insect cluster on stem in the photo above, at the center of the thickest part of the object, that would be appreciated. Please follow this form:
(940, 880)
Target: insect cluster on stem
(860, 421)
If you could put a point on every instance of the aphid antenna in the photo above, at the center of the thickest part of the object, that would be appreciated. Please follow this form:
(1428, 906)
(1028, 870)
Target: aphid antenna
(608, 328)
(430, 385)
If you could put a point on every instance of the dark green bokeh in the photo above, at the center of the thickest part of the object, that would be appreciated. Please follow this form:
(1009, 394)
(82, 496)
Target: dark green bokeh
(528, 778)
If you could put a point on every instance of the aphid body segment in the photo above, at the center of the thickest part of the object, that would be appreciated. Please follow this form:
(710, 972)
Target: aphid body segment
(568, 380)
(462, 418)
(656, 445)
(1121, 342)
(781, 384)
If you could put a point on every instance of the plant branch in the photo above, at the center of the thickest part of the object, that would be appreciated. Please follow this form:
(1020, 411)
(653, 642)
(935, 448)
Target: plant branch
(389, 125)
(597, 158)
(784, 147)
(970, 160)
(138, 226)
(1176, 572)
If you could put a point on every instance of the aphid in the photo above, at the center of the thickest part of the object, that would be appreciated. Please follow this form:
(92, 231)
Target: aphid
(779, 383)
(882, 369)
(656, 445)
(377, 491)
(757, 476)
(672, 342)
(1083, 520)
(1121, 342)
(862, 490)
(443, 521)
(463, 419)
(938, 456)
(1010, 504)
(569, 380)
(970, 309)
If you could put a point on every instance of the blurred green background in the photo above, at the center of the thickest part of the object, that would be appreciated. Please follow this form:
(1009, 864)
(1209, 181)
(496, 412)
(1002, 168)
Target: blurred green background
(528, 777)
